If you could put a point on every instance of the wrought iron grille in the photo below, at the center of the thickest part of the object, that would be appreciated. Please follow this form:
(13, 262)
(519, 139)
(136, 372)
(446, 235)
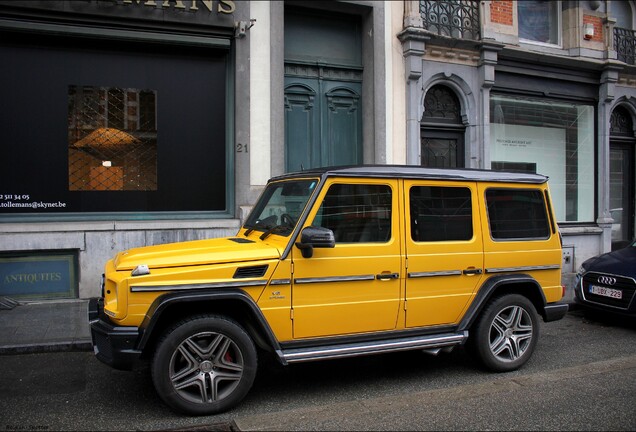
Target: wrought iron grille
(453, 18)
(625, 44)
(439, 153)
(621, 123)
(112, 138)
(442, 104)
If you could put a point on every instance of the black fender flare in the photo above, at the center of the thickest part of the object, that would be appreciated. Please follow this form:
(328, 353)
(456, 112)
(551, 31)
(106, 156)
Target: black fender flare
(491, 285)
(166, 301)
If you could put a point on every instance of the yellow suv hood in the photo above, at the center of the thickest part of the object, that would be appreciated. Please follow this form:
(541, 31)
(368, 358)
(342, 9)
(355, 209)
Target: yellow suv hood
(210, 251)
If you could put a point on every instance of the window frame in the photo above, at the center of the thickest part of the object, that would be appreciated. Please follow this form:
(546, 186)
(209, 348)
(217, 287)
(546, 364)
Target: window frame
(559, 30)
(218, 45)
(586, 211)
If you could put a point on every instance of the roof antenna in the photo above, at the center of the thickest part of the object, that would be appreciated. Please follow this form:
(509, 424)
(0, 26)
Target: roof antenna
(302, 168)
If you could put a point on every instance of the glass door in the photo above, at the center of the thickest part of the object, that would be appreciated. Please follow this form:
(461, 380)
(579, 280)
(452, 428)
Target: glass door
(622, 193)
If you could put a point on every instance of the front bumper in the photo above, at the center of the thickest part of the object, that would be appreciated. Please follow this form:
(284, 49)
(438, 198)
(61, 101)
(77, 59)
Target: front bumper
(626, 306)
(113, 345)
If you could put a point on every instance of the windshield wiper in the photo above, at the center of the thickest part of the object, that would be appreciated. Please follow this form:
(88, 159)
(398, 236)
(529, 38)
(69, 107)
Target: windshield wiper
(274, 229)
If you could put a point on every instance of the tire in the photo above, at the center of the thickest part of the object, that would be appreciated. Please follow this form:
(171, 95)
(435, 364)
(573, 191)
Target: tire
(506, 333)
(204, 365)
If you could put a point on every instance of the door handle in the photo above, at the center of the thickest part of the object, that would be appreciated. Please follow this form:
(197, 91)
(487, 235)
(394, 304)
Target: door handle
(387, 276)
(472, 271)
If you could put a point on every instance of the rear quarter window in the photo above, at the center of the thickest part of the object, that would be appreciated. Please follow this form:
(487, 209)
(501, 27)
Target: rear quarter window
(517, 214)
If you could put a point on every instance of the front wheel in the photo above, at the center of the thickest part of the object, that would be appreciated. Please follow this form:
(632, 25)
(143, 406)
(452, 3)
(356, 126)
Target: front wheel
(204, 365)
(506, 333)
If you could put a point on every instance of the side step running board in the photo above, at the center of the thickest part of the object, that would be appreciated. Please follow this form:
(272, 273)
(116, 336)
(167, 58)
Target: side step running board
(429, 342)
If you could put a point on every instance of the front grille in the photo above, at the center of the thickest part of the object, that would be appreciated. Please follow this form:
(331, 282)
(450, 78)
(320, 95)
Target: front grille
(626, 285)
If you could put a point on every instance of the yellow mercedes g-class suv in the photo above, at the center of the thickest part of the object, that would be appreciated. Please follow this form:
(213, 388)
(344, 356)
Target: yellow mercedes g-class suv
(339, 262)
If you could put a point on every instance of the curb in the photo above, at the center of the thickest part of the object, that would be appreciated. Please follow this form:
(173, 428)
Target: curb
(48, 347)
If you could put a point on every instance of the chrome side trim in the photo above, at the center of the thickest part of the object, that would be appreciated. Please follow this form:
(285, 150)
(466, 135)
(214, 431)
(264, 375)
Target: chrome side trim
(435, 273)
(335, 279)
(186, 287)
(280, 282)
(357, 349)
(523, 268)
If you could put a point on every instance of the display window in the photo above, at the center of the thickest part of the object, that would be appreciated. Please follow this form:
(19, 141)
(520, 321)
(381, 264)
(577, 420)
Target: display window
(548, 137)
(103, 129)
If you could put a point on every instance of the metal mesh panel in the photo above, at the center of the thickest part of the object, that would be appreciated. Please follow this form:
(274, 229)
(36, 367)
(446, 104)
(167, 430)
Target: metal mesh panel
(439, 153)
(112, 139)
(625, 44)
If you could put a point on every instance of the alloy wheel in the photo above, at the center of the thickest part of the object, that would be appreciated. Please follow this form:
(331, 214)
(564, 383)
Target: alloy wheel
(206, 367)
(510, 333)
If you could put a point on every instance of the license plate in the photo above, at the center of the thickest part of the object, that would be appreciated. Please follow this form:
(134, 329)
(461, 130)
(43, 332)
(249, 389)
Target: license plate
(606, 292)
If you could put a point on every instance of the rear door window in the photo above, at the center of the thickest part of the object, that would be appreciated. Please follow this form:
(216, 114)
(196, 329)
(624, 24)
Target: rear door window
(440, 213)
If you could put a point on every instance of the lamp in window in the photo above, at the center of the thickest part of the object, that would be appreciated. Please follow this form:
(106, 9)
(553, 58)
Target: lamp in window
(102, 146)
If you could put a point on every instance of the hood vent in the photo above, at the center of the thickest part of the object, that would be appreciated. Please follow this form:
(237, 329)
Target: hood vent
(250, 272)
(241, 240)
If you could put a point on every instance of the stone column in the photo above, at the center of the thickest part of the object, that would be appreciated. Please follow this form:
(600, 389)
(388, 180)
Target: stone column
(487, 63)
(413, 48)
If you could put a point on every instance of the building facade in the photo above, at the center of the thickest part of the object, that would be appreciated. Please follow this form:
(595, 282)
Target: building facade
(128, 123)
(531, 86)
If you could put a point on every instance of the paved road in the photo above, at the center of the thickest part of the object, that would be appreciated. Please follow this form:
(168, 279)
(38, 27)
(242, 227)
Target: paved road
(582, 377)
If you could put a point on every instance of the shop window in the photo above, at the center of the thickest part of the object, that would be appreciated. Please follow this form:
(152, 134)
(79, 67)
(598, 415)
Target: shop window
(112, 139)
(113, 135)
(550, 138)
(440, 213)
(539, 21)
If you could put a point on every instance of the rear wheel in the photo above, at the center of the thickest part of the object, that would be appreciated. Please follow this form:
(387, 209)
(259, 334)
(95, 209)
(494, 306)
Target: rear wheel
(506, 333)
(204, 365)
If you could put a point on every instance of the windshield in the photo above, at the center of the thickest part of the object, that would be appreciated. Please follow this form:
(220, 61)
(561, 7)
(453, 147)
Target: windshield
(280, 206)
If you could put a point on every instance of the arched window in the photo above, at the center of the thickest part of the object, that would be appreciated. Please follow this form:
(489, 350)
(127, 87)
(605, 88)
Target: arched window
(442, 130)
(621, 123)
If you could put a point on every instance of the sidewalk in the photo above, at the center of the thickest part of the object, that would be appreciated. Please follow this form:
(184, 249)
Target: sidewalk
(60, 325)
(45, 326)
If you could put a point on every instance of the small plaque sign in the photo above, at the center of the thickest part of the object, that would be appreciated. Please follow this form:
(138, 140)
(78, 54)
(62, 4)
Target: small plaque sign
(38, 276)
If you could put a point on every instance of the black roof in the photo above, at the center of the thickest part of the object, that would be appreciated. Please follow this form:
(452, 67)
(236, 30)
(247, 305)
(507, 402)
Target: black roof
(417, 172)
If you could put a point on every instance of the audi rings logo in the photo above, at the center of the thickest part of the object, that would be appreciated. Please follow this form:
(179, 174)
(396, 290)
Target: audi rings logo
(606, 280)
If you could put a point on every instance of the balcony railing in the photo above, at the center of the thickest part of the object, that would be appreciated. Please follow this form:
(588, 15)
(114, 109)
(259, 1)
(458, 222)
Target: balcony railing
(457, 19)
(625, 45)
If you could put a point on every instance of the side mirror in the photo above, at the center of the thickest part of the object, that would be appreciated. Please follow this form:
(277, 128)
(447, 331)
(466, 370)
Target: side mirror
(315, 237)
